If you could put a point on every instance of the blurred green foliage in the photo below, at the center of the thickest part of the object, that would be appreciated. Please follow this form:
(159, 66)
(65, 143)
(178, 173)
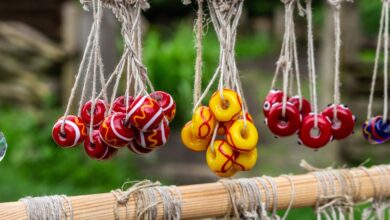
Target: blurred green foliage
(35, 165)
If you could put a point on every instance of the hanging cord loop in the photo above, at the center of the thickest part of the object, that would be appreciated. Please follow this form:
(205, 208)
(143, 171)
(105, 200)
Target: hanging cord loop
(311, 62)
(90, 62)
(198, 29)
(336, 7)
(383, 38)
(288, 61)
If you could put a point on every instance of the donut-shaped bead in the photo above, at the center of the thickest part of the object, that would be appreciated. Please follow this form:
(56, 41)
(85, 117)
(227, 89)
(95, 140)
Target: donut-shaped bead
(221, 160)
(95, 148)
(191, 141)
(138, 149)
(323, 135)
(115, 132)
(305, 109)
(226, 106)
(242, 137)
(166, 102)
(73, 134)
(111, 152)
(376, 131)
(286, 125)
(368, 128)
(119, 104)
(98, 115)
(274, 96)
(203, 122)
(343, 124)
(245, 161)
(145, 113)
(155, 138)
(382, 129)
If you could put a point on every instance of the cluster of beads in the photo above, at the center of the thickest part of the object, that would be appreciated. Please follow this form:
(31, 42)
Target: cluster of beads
(140, 124)
(297, 118)
(222, 125)
(376, 130)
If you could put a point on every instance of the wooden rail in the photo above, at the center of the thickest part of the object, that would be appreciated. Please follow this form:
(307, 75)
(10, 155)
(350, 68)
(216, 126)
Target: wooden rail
(211, 199)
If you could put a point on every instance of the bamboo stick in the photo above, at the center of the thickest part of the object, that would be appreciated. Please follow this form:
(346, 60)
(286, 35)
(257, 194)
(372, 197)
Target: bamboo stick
(211, 199)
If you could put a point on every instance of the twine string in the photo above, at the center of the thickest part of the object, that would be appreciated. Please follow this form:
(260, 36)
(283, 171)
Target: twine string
(337, 38)
(225, 17)
(386, 58)
(376, 64)
(311, 62)
(198, 29)
(84, 68)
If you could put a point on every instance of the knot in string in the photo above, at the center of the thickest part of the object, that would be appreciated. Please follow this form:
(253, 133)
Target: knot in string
(55, 207)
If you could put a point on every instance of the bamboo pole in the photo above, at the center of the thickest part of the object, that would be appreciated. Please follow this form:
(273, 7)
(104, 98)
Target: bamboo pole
(211, 199)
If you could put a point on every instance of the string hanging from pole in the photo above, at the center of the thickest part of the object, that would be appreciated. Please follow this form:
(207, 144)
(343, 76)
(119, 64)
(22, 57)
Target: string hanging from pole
(136, 120)
(227, 112)
(283, 110)
(377, 129)
(71, 130)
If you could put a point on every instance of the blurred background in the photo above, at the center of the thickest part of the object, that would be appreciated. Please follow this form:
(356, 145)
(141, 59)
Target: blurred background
(40, 46)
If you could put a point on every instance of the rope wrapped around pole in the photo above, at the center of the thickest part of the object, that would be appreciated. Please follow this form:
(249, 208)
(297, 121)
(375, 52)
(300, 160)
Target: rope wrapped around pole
(217, 200)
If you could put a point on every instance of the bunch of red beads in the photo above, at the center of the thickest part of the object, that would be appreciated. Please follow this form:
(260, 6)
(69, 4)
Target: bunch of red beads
(298, 119)
(234, 139)
(141, 125)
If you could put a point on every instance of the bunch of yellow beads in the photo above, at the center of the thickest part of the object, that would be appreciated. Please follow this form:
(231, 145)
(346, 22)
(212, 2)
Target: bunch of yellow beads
(220, 129)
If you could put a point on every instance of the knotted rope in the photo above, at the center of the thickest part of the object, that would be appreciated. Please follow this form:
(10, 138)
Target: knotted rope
(247, 200)
(148, 196)
(57, 207)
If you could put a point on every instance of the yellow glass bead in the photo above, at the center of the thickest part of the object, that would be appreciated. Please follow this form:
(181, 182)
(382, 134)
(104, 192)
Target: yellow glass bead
(226, 106)
(191, 142)
(221, 160)
(245, 161)
(242, 138)
(231, 172)
(203, 122)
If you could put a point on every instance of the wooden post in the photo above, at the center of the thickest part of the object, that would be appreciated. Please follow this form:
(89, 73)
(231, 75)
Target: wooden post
(212, 199)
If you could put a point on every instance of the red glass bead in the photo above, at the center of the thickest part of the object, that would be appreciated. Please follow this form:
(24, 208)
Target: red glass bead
(324, 132)
(73, 134)
(305, 108)
(95, 148)
(138, 149)
(111, 152)
(119, 104)
(286, 125)
(114, 132)
(155, 138)
(166, 102)
(98, 115)
(345, 123)
(145, 113)
(274, 96)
